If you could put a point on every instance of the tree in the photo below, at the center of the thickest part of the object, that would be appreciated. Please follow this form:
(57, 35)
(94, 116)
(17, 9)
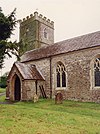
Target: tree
(7, 25)
(3, 82)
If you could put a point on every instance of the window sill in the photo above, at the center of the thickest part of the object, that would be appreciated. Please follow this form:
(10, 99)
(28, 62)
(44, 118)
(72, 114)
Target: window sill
(98, 87)
(60, 88)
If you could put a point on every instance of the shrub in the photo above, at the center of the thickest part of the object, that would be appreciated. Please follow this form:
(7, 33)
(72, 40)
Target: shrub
(3, 83)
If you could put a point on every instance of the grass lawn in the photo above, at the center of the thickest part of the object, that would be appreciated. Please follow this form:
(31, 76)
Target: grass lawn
(44, 117)
(2, 90)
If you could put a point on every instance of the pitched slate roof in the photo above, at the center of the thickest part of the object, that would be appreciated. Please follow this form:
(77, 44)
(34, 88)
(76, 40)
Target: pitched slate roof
(74, 44)
(28, 72)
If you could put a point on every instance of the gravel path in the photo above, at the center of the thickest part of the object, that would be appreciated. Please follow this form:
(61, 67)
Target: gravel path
(1, 94)
(5, 102)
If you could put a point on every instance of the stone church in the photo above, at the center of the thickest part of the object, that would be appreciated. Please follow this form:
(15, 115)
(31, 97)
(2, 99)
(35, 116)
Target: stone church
(71, 67)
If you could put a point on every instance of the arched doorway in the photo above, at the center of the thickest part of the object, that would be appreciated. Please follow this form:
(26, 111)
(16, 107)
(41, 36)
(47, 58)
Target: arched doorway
(17, 88)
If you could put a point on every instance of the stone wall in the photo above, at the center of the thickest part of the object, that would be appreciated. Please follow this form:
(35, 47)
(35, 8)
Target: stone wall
(78, 74)
(29, 85)
(78, 70)
(50, 35)
(32, 32)
(43, 67)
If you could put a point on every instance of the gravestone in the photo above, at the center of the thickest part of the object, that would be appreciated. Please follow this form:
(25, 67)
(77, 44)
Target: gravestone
(58, 98)
(35, 98)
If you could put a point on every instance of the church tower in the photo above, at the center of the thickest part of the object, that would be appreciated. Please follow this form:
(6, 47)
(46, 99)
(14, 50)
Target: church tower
(36, 31)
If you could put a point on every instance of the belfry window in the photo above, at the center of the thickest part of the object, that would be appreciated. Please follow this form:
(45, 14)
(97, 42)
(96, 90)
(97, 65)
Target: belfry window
(45, 33)
(97, 72)
(61, 75)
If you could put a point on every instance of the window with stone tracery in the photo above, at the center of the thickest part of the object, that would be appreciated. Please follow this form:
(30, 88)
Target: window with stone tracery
(97, 71)
(61, 75)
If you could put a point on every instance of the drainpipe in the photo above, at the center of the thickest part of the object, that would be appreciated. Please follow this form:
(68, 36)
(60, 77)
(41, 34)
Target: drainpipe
(50, 79)
(36, 86)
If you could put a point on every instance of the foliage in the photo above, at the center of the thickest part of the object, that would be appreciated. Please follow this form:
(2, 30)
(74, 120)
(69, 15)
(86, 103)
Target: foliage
(22, 47)
(3, 80)
(45, 117)
(7, 25)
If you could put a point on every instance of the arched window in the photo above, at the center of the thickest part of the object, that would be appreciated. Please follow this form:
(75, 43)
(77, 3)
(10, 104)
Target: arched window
(63, 79)
(58, 79)
(45, 33)
(97, 71)
(61, 75)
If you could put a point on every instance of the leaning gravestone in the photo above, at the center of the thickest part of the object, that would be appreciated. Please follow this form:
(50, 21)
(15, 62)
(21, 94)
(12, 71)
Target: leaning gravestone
(35, 98)
(58, 98)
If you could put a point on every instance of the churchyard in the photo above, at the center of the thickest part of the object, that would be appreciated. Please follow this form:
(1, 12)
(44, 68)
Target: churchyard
(46, 117)
(2, 90)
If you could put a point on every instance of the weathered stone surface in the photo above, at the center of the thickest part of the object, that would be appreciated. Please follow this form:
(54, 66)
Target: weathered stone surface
(43, 66)
(35, 98)
(32, 32)
(27, 87)
(78, 68)
(58, 98)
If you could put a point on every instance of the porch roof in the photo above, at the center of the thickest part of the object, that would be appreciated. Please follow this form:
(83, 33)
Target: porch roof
(28, 72)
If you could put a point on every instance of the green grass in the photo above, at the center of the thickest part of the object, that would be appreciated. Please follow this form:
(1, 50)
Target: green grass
(44, 117)
(2, 90)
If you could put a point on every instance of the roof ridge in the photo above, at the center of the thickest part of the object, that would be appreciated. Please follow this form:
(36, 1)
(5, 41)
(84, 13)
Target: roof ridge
(69, 45)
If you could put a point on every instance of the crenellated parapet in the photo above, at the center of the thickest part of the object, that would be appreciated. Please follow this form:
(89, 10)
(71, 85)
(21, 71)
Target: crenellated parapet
(36, 31)
(38, 17)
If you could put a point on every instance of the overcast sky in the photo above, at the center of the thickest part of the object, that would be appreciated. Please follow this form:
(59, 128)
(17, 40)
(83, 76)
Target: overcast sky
(71, 17)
